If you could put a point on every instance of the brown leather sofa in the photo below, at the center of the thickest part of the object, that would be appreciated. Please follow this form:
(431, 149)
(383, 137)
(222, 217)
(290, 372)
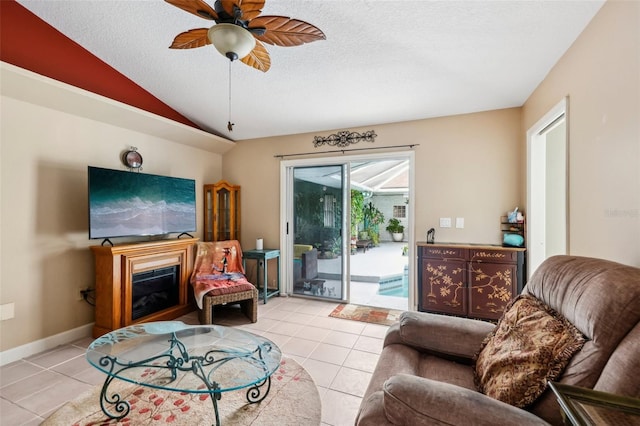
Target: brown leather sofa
(424, 375)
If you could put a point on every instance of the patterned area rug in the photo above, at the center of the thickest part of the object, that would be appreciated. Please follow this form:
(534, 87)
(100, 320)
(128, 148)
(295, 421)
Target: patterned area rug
(292, 400)
(366, 314)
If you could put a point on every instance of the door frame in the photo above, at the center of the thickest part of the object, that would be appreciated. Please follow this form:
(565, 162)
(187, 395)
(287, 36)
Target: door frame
(536, 180)
(286, 212)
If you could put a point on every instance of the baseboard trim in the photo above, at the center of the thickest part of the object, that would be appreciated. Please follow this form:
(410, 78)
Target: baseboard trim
(45, 344)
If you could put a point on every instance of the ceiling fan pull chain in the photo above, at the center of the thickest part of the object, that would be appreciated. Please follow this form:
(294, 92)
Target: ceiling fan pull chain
(229, 123)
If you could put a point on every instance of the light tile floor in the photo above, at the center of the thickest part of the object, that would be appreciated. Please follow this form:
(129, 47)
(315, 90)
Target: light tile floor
(339, 354)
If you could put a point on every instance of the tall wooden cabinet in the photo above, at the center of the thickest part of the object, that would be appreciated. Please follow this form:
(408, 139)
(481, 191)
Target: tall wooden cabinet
(475, 281)
(221, 212)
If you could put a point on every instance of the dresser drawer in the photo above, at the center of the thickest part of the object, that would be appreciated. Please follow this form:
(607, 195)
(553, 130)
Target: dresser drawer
(494, 256)
(444, 252)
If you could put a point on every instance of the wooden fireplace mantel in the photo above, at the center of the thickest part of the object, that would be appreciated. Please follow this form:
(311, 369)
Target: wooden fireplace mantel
(115, 267)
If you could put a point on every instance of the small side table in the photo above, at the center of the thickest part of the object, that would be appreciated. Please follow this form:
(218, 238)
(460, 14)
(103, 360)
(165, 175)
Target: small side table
(587, 407)
(261, 257)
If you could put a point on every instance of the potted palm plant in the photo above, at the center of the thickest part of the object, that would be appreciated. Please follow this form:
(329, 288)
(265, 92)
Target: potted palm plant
(396, 229)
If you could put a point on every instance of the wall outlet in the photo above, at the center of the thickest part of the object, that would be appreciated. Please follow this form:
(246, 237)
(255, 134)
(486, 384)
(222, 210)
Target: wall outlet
(80, 293)
(459, 222)
(445, 222)
(7, 311)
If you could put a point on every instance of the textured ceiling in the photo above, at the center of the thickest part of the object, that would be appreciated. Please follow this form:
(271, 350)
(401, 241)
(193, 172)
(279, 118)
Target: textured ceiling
(382, 61)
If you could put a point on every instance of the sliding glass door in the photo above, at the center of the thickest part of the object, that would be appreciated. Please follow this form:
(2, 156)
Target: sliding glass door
(328, 252)
(317, 225)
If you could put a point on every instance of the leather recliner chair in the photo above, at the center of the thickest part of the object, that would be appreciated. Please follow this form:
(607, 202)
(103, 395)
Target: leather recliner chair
(424, 375)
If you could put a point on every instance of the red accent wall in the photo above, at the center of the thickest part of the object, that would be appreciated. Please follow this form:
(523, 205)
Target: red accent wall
(30, 43)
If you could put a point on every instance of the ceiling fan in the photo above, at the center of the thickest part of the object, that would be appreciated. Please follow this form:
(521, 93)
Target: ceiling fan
(239, 30)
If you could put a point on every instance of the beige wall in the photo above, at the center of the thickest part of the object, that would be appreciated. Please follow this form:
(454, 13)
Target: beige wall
(44, 236)
(601, 75)
(466, 166)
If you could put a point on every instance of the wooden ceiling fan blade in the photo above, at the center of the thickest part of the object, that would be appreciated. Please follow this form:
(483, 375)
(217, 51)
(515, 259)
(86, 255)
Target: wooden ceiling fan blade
(258, 58)
(191, 39)
(227, 5)
(284, 31)
(197, 7)
(250, 8)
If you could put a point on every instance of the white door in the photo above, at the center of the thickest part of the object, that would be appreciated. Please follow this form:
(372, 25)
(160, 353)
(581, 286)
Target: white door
(547, 187)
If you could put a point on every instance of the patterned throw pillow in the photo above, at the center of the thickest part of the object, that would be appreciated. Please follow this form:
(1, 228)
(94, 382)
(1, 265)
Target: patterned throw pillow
(530, 345)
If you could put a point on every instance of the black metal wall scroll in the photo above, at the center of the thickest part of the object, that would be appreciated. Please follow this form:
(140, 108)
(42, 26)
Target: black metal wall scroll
(344, 138)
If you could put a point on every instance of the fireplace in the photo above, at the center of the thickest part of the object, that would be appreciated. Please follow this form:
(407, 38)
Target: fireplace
(154, 291)
(142, 282)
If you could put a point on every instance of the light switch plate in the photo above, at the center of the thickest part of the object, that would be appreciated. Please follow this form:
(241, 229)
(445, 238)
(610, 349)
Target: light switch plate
(459, 222)
(7, 311)
(445, 222)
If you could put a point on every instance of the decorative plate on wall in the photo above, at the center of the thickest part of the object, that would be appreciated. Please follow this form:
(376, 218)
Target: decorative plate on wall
(132, 158)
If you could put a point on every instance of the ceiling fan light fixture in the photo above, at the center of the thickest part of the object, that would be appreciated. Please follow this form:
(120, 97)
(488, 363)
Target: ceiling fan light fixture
(231, 40)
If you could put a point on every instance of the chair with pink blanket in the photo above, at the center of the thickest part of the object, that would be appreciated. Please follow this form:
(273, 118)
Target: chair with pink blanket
(218, 278)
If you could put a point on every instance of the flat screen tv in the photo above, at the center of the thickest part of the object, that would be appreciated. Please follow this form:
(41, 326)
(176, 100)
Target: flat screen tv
(127, 204)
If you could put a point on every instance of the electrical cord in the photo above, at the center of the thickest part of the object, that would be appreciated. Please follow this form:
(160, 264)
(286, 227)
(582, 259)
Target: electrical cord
(89, 296)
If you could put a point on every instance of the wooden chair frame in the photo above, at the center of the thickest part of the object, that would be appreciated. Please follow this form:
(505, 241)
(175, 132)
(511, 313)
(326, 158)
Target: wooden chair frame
(248, 303)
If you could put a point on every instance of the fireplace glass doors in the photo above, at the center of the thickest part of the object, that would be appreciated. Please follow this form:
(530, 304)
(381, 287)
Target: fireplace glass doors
(154, 291)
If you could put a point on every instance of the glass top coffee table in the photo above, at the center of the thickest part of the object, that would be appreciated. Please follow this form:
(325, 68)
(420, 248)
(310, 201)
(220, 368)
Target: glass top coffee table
(171, 355)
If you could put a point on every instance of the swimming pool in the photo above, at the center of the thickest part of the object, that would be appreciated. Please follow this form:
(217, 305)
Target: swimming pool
(397, 286)
(401, 291)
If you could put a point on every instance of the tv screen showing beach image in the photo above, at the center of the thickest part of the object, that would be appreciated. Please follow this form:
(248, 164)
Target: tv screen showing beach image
(136, 204)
